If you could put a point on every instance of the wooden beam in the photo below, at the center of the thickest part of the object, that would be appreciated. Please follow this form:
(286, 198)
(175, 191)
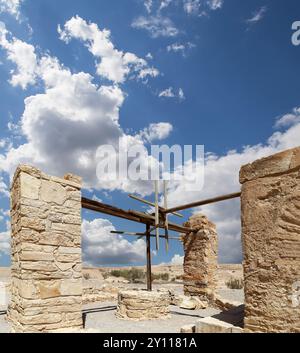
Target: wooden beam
(140, 235)
(202, 203)
(133, 216)
(148, 253)
(157, 220)
(152, 204)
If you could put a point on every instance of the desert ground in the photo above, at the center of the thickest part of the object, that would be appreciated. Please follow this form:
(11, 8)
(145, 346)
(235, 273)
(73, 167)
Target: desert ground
(101, 286)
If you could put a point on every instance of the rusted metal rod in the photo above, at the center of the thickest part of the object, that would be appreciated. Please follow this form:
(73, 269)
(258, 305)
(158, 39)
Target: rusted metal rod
(202, 203)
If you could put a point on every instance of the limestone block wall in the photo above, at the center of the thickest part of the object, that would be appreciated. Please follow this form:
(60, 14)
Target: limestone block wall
(138, 305)
(46, 252)
(271, 242)
(201, 259)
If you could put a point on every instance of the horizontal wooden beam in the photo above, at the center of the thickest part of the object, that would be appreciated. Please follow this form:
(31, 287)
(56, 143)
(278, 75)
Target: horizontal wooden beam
(152, 204)
(202, 203)
(142, 235)
(133, 216)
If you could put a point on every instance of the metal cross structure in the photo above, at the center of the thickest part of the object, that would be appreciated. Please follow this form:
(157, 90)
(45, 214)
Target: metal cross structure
(155, 221)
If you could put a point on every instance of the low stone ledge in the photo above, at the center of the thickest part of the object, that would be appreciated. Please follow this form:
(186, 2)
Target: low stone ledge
(212, 325)
(139, 305)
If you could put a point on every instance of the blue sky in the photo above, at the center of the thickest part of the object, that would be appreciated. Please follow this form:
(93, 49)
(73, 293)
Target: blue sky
(223, 74)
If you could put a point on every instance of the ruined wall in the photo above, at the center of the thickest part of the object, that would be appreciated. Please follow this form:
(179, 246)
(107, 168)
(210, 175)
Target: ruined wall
(46, 252)
(200, 259)
(271, 242)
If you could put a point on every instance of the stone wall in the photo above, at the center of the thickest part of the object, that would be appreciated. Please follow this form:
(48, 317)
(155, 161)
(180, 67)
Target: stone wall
(46, 252)
(201, 259)
(141, 305)
(271, 242)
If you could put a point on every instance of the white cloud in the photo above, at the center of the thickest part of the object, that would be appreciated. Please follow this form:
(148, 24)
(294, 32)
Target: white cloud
(114, 65)
(177, 260)
(222, 177)
(200, 7)
(66, 123)
(11, 6)
(5, 243)
(3, 188)
(101, 247)
(169, 93)
(181, 95)
(23, 55)
(176, 47)
(156, 26)
(192, 7)
(149, 56)
(157, 131)
(289, 119)
(164, 4)
(257, 15)
(148, 5)
(215, 4)
(180, 47)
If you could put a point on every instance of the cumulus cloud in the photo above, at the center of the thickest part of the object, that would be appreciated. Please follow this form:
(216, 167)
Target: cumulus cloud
(23, 55)
(170, 93)
(100, 247)
(115, 65)
(289, 119)
(156, 26)
(177, 260)
(157, 131)
(11, 6)
(222, 177)
(66, 123)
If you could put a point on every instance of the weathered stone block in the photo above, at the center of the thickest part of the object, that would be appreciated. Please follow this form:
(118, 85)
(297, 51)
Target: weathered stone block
(200, 259)
(271, 242)
(188, 329)
(142, 305)
(30, 186)
(46, 288)
(212, 325)
(53, 192)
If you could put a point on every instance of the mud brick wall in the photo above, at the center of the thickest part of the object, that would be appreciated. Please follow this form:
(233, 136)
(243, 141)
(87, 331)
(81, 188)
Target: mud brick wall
(46, 252)
(271, 242)
(200, 259)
